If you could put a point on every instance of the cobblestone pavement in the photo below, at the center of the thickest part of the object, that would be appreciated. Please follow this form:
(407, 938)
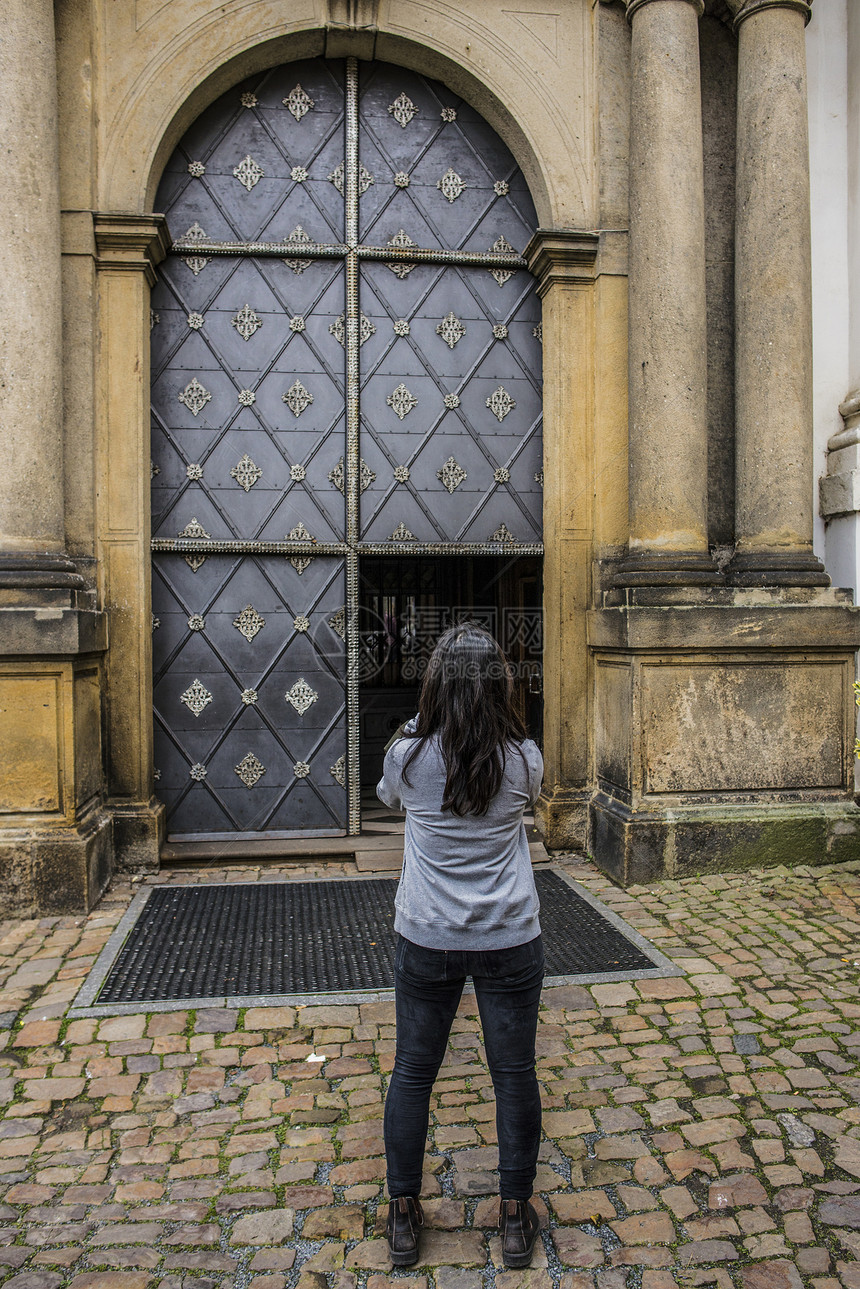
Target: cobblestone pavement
(703, 1130)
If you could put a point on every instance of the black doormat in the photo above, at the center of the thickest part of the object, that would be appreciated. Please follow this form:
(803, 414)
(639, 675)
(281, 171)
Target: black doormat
(285, 938)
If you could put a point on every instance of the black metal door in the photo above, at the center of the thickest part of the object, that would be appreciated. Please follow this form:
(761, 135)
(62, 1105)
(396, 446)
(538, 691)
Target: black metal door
(345, 361)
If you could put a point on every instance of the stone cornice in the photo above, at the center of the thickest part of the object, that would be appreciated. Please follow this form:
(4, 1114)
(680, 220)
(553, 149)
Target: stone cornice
(561, 256)
(743, 9)
(130, 242)
(634, 5)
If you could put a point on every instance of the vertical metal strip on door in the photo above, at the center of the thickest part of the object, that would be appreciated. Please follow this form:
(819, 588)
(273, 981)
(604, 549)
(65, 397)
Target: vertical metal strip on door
(352, 442)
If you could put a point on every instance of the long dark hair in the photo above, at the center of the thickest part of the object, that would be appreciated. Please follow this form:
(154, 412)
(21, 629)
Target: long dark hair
(467, 700)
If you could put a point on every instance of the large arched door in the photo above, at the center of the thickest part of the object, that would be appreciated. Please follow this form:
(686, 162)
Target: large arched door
(345, 365)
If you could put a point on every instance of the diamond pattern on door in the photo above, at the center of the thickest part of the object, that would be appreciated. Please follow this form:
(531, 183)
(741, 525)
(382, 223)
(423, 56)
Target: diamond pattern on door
(471, 371)
(246, 674)
(425, 151)
(328, 397)
(277, 143)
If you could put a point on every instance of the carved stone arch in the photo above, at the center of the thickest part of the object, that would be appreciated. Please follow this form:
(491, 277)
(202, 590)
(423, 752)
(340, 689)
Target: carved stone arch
(174, 77)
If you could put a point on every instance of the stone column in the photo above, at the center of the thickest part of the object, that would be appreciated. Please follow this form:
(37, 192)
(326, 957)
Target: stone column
(668, 441)
(773, 301)
(32, 537)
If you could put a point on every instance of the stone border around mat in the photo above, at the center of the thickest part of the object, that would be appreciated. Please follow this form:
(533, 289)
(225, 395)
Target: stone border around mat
(85, 1004)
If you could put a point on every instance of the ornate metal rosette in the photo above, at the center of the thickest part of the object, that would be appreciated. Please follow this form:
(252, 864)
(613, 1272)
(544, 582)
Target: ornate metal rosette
(248, 172)
(366, 329)
(301, 769)
(451, 185)
(196, 697)
(194, 472)
(297, 398)
(402, 534)
(402, 109)
(500, 403)
(298, 237)
(300, 534)
(249, 622)
(196, 263)
(246, 472)
(196, 622)
(250, 770)
(451, 329)
(401, 327)
(194, 396)
(501, 246)
(301, 696)
(301, 623)
(197, 772)
(196, 169)
(337, 622)
(365, 179)
(401, 473)
(401, 239)
(451, 475)
(195, 321)
(249, 697)
(299, 102)
(246, 322)
(401, 401)
(194, 529)
(338, 771)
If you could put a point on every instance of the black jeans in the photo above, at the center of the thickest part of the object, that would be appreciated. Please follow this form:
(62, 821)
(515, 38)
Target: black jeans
(428, 984)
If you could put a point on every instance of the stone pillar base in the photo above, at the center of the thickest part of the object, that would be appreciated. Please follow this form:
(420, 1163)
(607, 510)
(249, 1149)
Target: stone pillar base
(55, 870)
(776, 568)
(138, 835)
(724, 730)
(637, 846)
(561, 817)
(670, 568)
(55, 834)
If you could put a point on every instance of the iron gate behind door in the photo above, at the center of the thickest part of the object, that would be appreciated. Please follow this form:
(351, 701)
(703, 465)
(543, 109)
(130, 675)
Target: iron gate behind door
(345, 361)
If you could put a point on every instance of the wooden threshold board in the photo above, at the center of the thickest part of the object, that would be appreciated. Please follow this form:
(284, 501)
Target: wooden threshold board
(370, 853)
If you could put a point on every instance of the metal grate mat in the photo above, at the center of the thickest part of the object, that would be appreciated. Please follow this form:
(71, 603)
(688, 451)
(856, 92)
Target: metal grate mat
(273, 939)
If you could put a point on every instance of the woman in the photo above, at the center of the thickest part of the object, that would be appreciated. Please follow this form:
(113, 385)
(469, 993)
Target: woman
(466, 905)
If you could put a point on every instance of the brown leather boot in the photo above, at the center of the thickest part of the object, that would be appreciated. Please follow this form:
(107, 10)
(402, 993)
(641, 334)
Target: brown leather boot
(405, 1218)
(519, 1225)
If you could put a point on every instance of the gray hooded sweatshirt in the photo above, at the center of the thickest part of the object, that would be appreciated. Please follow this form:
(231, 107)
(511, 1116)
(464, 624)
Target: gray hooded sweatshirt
(467, 881)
